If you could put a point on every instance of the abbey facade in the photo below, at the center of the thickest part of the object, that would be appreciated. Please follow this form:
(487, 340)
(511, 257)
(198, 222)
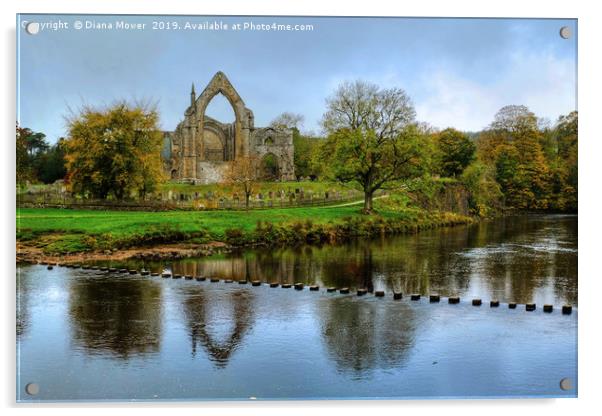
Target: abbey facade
(201, 148)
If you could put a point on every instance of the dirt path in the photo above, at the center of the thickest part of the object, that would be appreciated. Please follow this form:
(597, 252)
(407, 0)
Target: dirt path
(28, 254)
(361, 201)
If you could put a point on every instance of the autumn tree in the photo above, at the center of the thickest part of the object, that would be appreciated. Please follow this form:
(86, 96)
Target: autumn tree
(485, 194)
(372, 140)
(563, 162)
(244, 174)
(114, 152)
(512, 144)
(454, 151)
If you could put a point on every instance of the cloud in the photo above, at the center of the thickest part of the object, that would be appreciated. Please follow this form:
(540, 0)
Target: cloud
(540, 80)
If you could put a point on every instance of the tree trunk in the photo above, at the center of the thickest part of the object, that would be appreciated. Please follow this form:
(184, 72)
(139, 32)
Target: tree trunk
(247, 197)
(368, 202)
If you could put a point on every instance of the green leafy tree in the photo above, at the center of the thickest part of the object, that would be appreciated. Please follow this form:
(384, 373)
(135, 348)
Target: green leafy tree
(485, 194)
(31, 148)
(372, 140)
(115, 152)
(24, 169)
(306, 149)
(455, 151)
(35, 142)
(50, 165)
(372, 162)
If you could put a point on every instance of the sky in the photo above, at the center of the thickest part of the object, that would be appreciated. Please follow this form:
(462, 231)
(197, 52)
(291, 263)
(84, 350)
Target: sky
(457, 72)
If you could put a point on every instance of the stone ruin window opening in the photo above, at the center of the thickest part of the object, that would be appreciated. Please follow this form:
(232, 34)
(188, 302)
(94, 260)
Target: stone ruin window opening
(216, 140)
(210, 135)
(269, 169)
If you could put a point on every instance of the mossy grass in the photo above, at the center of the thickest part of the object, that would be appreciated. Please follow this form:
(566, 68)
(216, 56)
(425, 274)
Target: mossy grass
(67, 230)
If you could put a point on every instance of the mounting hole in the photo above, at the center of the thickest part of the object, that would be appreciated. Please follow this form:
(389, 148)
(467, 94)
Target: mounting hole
(565, 32)
(566, 384)
(32, 28)
(32, 389)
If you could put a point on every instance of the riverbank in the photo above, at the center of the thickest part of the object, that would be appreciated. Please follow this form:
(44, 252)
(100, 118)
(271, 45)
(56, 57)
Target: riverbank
(70, 235)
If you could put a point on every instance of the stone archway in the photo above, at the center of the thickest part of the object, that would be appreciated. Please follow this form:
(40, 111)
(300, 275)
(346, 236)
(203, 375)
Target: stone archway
(201, 145)
(269, 167)
(243, 123)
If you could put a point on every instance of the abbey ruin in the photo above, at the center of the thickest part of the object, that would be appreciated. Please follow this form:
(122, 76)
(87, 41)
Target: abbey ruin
(201, 148)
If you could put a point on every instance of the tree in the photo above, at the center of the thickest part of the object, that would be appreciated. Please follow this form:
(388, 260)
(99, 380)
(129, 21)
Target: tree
(364, 105)
(563, 162)
(50, 165)
(512, 144)
(24, 171)
(115, 152)
(306, 148)
(244, 173)
(35, 142)
(30, 147)
(371, 139)
(514, 119)
(288, 120)
(455, 151)
(484, 191)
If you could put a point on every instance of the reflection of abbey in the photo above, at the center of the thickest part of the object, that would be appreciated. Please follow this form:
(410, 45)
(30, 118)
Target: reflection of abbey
(200, 148)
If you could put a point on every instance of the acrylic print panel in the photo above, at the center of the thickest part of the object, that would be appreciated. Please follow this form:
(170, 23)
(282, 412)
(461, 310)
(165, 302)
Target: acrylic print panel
(260, 208)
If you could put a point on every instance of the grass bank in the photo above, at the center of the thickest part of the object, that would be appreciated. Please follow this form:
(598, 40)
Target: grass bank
(63, 231)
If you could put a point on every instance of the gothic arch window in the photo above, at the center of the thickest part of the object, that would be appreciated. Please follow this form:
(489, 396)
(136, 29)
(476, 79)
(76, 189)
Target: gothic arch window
(237, 134)
(269, 141)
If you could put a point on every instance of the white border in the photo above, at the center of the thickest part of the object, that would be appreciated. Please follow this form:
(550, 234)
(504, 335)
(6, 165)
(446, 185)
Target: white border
(589, 200)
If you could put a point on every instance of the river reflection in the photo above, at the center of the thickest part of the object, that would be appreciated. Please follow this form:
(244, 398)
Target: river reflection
(119, 316)
(85, 334)
(217, 321)
(521, 259)
(361, 338)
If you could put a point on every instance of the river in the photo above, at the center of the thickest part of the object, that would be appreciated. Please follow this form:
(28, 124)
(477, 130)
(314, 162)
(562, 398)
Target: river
(92, 335)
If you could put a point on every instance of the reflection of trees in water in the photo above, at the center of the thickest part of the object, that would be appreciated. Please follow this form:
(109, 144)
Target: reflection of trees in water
(238, 310)
(565, 264)
(444, 260)
(117, 316)
(361, 336)
(23, 316)
(531, 254)
(565, 285)
(285, 265)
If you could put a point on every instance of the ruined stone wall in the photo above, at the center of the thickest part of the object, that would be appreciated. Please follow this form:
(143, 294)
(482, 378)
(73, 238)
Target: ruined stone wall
(278, 142)
(200, 146)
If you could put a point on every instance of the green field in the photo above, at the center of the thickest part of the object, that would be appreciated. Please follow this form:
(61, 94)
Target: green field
(67, 230)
